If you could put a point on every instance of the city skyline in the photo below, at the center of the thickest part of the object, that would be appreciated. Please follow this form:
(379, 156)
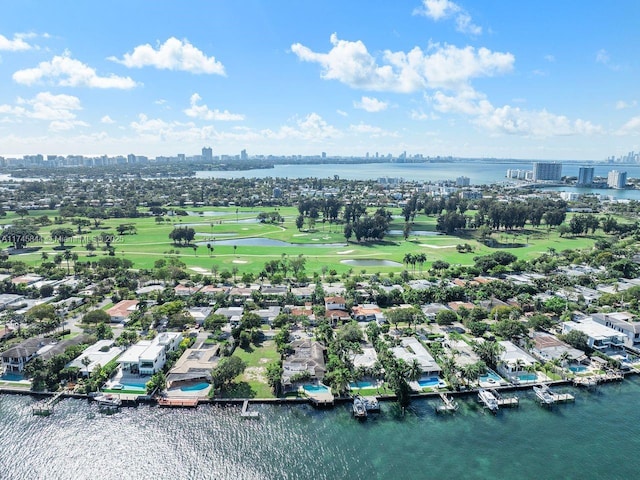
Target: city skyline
(541, 81)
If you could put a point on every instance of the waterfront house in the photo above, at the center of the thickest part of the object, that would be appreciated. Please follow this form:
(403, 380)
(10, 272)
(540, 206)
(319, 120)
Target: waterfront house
(100, 353)
(15, 358)
(186, 289)
(305, 365)
(411, 349)
(599, 337)
(514, 361)
(194, 365)
(367, 359)
(623, 322)
(120, 312)
(547, 347)
(149, 356)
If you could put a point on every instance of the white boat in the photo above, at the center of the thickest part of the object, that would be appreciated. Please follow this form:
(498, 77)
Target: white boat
(488, 399)
(359, 407)
(544, 394)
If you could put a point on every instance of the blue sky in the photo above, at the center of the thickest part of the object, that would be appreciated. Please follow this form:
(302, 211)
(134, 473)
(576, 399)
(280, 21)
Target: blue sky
(535, 79)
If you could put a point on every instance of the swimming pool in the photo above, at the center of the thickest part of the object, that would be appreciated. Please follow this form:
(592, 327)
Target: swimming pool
(129, 386)
(315, 388)
(429, 382)
(363, 384)
(11, 377)
(578, 368)
(527, 377)
(195, 387)
(489, 377)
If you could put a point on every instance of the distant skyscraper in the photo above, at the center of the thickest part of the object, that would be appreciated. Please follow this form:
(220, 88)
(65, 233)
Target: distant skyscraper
(243, 155)
(207, 154)
(463, 181)
(543, 171)
(616, 179)
(585, 177)
(324, 154)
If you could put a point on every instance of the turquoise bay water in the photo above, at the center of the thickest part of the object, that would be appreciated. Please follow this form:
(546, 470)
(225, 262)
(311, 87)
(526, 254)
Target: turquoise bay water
(595, 438)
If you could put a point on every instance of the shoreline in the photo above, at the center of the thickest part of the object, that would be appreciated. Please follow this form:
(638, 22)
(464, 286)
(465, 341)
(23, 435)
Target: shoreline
(145, 399)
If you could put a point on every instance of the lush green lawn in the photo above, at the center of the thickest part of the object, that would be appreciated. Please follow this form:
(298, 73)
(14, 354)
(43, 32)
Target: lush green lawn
(252, 383)
(152, 242)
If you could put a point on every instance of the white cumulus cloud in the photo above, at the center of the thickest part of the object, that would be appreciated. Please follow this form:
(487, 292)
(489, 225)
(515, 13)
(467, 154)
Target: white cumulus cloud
(58, 109)
(174, 54)
(442, 66)
(443, 9)
(65, 71)
(107, 120)
(203, 112)
(631, 127)
(371, 104)
(16, 45)
(511, 120)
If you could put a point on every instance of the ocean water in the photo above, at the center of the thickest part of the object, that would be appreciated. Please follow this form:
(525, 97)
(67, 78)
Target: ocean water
(594, 438)
(479, 172)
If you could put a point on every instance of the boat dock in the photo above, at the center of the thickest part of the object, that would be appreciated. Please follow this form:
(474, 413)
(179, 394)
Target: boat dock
(178, 402)
(108, 403)
(488, 399)
(245, 413)
(547, 397)
(46, 407)
(505, 401)
(593, 380)
(450, 405)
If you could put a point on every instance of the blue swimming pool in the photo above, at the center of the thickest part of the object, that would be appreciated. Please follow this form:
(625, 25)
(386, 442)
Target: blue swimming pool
(130, 386)
(316, 388)
(527, 377)
(578, 368)
(11, 377)
(195, 387)
(429, 382)
(362, 384)
(489, 377)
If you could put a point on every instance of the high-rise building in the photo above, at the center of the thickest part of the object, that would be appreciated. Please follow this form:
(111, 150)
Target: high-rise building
(463, 181)
(243, 155)
(585, 177)
(616, 179)
(545, 171)
(207, 154)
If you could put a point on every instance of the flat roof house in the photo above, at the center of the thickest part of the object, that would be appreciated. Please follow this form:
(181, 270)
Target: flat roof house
(149, 356)
(599, 336)
(411, 349)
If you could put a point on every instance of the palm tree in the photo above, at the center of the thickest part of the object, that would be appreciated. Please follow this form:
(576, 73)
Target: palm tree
(67, 256)
(86, 361)
(415, 370)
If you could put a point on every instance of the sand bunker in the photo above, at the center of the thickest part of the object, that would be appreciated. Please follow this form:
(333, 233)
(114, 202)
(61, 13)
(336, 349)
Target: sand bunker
(346, 252)
(239, 261)
(437, 246)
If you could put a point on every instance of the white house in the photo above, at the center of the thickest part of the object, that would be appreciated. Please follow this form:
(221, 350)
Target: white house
(600, 337)
(411, 349)
(149, 356)
(513, 360)
(623, 322)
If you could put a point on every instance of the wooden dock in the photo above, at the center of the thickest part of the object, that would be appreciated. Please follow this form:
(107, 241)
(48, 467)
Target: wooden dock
(178, 402)
(509, 402)
(245, 413)
(46, 407)
(593, 380)
(450, 405)
(548, 397)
